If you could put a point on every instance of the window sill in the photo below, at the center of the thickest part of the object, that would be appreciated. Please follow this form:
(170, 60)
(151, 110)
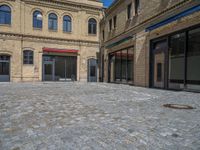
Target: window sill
(92, 34)
(65, 32)
(51, 30)
(31, 65)
(37, 29)
(5, 25)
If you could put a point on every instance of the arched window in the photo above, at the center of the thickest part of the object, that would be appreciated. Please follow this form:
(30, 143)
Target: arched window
(67, 24)
(37, 19)
(28, 57)
(53, 21)
(5, 14)
(92, 26)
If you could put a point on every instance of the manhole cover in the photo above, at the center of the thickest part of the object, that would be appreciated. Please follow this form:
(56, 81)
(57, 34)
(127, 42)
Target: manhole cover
(178, 106)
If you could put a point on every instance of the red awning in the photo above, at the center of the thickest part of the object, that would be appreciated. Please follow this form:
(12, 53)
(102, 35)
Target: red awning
(55, 50)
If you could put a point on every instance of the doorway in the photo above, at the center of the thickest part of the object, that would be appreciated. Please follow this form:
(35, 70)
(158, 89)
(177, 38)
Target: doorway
(4, 68)
(92, 70)
(158, 65)
(59, 68)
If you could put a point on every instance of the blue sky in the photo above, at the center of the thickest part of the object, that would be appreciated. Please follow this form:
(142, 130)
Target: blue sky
(107, 2)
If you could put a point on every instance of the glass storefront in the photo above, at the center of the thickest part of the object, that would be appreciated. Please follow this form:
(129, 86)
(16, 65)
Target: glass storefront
(193, 59)
(121, 66)
(176, 60)
(59, 68)
(182, 61)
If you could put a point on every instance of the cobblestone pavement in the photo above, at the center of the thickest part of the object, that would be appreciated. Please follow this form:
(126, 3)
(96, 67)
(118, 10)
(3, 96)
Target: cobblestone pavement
(62, 116)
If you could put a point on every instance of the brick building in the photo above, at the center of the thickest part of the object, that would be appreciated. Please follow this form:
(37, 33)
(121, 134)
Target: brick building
(49, 40)
(152, 44)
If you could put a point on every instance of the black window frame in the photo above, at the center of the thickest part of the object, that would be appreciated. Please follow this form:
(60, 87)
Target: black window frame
(28, 57)
(92, 26)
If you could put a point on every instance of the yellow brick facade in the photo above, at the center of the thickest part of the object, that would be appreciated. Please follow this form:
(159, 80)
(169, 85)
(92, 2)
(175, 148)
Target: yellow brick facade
(149, 13)
(21, 35)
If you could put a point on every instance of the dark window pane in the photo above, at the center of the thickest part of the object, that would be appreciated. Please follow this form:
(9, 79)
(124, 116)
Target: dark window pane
(137, 6)
(67, 24)
(92, 26)
(130, 64)
(37, 23)
(124, 64)
(129, 9)
(118, 66)
(159, 72)
(115, 21)
(5, 14)
(193, 57)
(28, 57)
(176, 58)
(92, 71)
(53, 21)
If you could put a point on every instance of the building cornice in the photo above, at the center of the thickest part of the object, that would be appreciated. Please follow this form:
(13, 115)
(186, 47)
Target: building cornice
(43, 39)
(64, 4)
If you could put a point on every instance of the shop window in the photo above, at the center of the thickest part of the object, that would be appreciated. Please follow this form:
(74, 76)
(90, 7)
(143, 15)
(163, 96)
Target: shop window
(37, 19)
(92, 26)
(53, 21)
(193, 57)
(177, 58)
(67, 24)
(5, 15)
(28, 57)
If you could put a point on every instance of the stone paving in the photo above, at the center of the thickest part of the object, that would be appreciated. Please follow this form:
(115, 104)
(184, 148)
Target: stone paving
(70, 116)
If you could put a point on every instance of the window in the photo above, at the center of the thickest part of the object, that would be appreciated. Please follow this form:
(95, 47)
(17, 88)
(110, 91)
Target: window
(67, 24)
(193, 57)
(137, 6)
(115, 21)
(159, 72)
(110, 24)
(53, 21)
(5, 15)
(129, 10)
(92, 26)
(177, 58)
(103, 35)
(28, 57)
(37, 19)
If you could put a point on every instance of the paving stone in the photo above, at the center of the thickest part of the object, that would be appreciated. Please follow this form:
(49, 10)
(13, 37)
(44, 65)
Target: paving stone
(60, 116)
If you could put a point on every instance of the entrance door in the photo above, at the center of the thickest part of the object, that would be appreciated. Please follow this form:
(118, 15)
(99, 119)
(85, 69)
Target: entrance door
(159, 61)
(159, 64)
(92, 70)
(48, 69)
(4, 68)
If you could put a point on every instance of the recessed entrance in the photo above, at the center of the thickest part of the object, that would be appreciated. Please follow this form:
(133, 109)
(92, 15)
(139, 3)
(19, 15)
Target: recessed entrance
(159, 64)
(92, 70)
(4, 68)
(59, 68)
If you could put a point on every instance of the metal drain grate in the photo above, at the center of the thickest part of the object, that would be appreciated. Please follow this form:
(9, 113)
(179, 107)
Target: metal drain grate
(178, 106)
